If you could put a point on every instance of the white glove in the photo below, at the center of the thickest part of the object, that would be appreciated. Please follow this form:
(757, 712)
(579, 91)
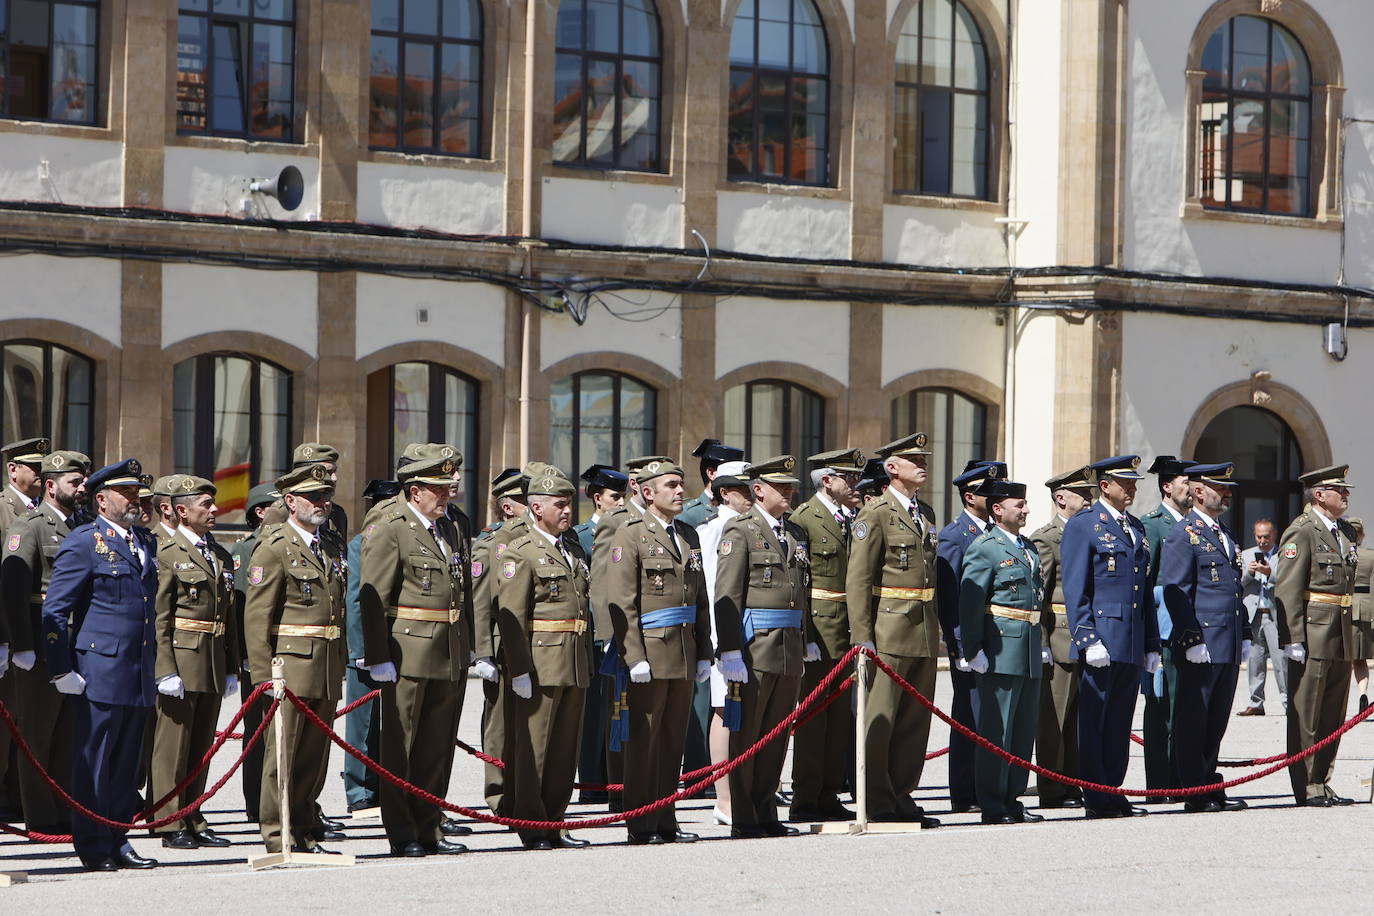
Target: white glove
(4, 658)
(1245, 649)
(961, 664)
(172, 686)
(1198, 654)
(70, 683)
(1297, 652)
(641, 673)
(385, 673)
(703, 671)
(1152, 662)
(486, 669)
(522, 686)
(231, 685)
(869, 646)
(1097, 656)
(1046, 656)
(813, 653)
(732, 666)
(978, 664)
(25, 660)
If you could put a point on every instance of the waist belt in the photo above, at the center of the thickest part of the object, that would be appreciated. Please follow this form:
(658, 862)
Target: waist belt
(756, 619)
(306, 629)
(826, 594)
(911, 594)
(1061, 609)
(559, 626)
(38, 598)
(1327, 598)
(1013, 613)
(449, 615)
(1362, 589)
(191, 625)
(667, 617)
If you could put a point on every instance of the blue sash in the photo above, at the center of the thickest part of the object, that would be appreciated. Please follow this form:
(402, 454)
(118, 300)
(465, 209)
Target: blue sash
(613, 666)
(667, 617)
(756, 619)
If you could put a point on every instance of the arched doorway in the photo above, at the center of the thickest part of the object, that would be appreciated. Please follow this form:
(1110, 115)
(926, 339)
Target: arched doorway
(1268, 461)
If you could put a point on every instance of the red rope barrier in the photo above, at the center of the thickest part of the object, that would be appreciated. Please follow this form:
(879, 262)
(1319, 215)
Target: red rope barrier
(341, 711)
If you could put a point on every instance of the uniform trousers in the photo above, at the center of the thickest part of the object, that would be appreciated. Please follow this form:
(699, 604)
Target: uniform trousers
(1106, 704)
(494, 739)
(1264, 650)
(1318, 692)
(823, 747)
(1202, 710)
(542, 735)
(251, 772)
(1056, 740)
(11, 766)
(362, 729)
(1157, 724)
(591, 758)
(107, 740)
(964, 710)
(659, 714)
(307, 756)
(44, 717)
(897, 731)
(765, 700)
(1008, 708)
(183, 730)
(419, 727)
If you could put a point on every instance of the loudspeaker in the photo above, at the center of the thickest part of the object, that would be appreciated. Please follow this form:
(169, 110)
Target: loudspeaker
(288, 187)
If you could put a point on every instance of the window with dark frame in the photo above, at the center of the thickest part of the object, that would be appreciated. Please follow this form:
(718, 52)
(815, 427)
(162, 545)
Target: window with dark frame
(434, 403)
(425, 88)
(1268, 461)
(779, 100)
(941, 134)
(1255, 123)
(600, 417)
(607, 85)
(236, 68)
(49, 60)
(774, 417)
(49, 391)
(957, 426)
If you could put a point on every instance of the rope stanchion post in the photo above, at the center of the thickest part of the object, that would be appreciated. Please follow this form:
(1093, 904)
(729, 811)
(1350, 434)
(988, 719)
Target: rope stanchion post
(861, 677)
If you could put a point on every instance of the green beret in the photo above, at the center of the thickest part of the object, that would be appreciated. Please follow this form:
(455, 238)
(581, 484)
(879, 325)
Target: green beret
(190, 485)
(659, 468)
(308, 478)
(547, 480)
(62, 462)
(167, 486)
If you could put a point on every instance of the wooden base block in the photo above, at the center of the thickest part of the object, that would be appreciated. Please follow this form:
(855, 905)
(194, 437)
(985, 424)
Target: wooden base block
(11, 878)
(274, 859)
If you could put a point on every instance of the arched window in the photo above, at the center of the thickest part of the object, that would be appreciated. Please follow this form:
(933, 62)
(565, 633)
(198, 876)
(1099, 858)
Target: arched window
(607, 85)
(1268, 462)
(231, 423)
(779, 93)
(941, 135)
(958, 429)
(600, 417)
(426, 85)
(48, 391)
(1255, 121)
(433, 403)
(772, 417)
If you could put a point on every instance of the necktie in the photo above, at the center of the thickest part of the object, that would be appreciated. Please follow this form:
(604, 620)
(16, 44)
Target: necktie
(1221, 538)
(1126, 530)
(989, 526)
(133, 546)
(205, 552)
(438, 542)
(315, 549)
(672, 541)
(915, 516)
(782, 537)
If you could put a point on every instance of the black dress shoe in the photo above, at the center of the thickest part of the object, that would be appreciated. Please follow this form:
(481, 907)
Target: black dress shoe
(679, 836)
(1202, 806)
(1233, 804)
(1319, 801)
(131, 859)
(181, 839)
(314, 850)
(566, 841)
(1338, 801)
(104, 863)
(449, 827)
(1027, 817)
(963, 809)
(1063, 803)
(1133, 811)
(834, 811)
(330, 823)
(807, 813)
(327, 833)
(928, 823)
(996, 819)
(208, 837)
(648, 839)
(446, 848)
(749, 832)
(407, 850)
(1095, 814)
(776, 829)
(592, 798)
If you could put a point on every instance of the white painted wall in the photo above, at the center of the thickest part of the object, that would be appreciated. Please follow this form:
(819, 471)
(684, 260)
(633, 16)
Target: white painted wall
(935, 237)
(197, 299)
(1029, 421)
(467, 315)
(61, 170)
(612, 213)
(815, 334)
(651, 329)
(781, 225)
(443, 198)
(1036, 76)
(934, 337)
(80, 291)
(215, 181)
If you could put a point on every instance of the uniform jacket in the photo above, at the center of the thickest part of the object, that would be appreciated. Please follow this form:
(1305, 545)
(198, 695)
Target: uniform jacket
(1158, 522)
(754, 571)
(487, 552)
(1363, 609)
(1054, 622)
(1201, 585)
(98, 615)
(997, 572)
(646, 573)
(288, 586)
(606, 527)
(829, 544)
(190, 589)
(30, 547)
(12, 511)
(697, 511)
(1313, 561)
(951, 544)
(888, 552)
(537, 583)
(242, 554)
(586, 535)
(1250, 584)
(1106, 586)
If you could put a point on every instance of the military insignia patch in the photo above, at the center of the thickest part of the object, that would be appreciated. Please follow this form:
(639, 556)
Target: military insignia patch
(500, 549)
(616, 554)
(254, 575)
(477, 569)
(13, 542)
(368, 533)
(508, 569)
(238, 561)
(726, 547)
(1290, 551)
(861, 530)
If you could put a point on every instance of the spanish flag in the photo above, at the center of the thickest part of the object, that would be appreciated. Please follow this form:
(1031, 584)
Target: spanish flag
(232, 486)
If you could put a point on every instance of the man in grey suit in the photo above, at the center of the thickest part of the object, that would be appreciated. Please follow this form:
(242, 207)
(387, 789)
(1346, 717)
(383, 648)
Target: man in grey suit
(1259, 568)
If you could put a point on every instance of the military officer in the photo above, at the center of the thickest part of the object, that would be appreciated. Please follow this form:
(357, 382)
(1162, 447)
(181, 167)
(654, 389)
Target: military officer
(546, 636)
(162, 490)
(43, 715)
(295, 611)
(1313, 593)
(1056, 740)
(197, 658)
(415, 588)
(1000, 595)
(260, 498)
(98, 638)
(822, 747)
(712, 454)
(764, 634)
(1199, 576)
(308, 454)
(146, 515)
(872, 481)
(1106, 566)
(890, 593)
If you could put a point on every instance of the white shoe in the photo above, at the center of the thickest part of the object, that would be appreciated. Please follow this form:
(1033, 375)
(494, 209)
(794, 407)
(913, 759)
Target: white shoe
(720, 817)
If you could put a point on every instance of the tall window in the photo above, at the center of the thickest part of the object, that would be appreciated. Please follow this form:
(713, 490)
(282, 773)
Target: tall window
(1268, 462)
(231, 423)
(773, 417)
(600, 418)
(48, 60)
(48, 391)
(779, 93)
(941, 109)
(236, 68)
(957, 426)
(426, 85)
(1256, 120)
(607, 84)
(433, 403)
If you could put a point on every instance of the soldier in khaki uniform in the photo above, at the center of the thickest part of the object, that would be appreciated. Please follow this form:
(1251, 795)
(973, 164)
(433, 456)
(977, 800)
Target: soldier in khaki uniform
(762, 625)
(657, 604)
(822, 748)
(546, 636)
(1313, 594)
(295, 611)
(197, 658)
(162, 489)
(415, 591)
(1056, 740)
(43, 715)
(259, 499)
(890, 588)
